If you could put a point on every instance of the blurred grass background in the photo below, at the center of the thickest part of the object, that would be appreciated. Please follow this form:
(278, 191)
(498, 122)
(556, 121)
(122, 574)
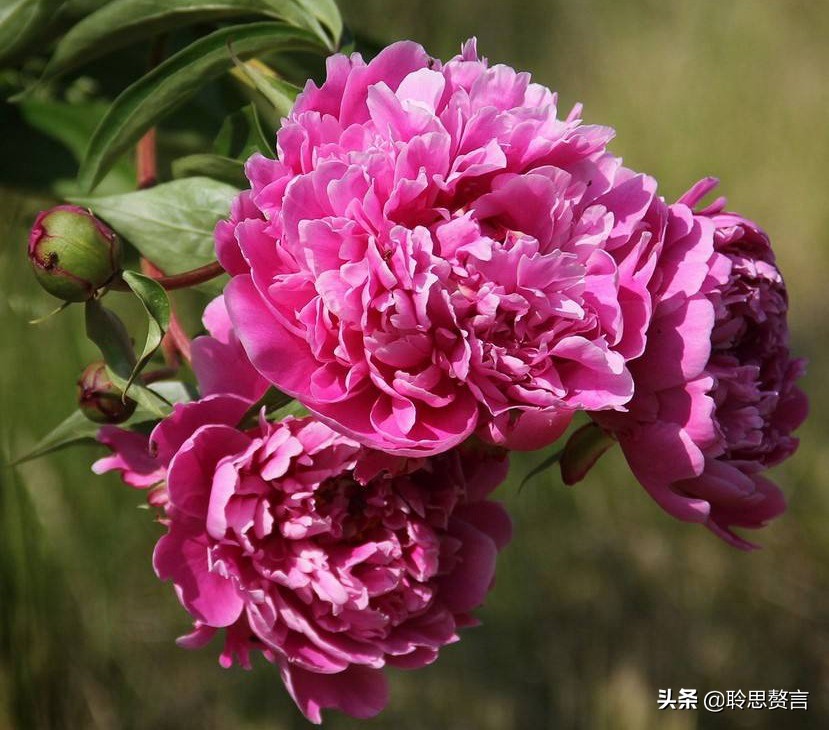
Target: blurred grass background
(601, 599)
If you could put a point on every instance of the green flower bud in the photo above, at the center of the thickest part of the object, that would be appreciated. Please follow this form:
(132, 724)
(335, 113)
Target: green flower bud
(99, 399)
(72, 253)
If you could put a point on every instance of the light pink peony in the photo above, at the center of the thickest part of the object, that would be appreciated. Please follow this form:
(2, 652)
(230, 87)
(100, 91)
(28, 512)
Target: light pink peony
(435, 253)
(331, 560)
(716, 400)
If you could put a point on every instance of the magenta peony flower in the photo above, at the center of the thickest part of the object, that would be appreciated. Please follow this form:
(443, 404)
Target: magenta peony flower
(330, 560)
(435, 253)
(716, 400)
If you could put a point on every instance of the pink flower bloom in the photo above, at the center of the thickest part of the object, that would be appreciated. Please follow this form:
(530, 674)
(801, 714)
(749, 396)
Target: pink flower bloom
(219, 362)
(716, 400)
(435, 253)
(330, 560)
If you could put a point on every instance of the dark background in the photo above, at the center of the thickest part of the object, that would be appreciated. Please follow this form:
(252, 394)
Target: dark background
(601, 599)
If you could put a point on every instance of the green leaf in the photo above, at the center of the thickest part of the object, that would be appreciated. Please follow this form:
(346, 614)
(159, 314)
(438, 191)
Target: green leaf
(72, 125)
(327, 12)
(72, 430)
(170, 224)
(124, 22)
(22, 22)
(107, 331)
(169, 85)
(294, 408)
(279, 93)
(69, 124)
(216, 167)
(157, 306)
(77, 428)
(242, 134)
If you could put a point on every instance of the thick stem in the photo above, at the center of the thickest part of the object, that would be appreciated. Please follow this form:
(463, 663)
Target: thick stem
(179, 337)
(192, 277)
(156, 375)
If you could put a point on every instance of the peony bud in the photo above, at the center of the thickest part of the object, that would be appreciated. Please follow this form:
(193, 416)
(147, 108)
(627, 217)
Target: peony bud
(581, 452)
(72, 253)
(100, 399)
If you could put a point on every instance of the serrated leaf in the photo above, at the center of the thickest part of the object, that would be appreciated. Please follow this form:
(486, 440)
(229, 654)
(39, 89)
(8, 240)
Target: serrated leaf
(216, 167)
(124, 22)
(107, 331)
(157, 306)
(77, 428)
(170, 224)
(21, 22)
(170, 84)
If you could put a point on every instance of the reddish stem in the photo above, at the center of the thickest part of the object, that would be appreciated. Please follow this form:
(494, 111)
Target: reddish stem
(192, 277)
(145, 161)
(179, 338)
(156, 375)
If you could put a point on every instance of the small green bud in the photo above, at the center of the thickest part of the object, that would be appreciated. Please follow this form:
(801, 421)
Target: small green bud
(72, 253)
(100, 399)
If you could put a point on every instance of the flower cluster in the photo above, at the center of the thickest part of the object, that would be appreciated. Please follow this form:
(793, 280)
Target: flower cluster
(440, 270)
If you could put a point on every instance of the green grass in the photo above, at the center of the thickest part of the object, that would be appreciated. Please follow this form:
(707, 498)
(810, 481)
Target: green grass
(602, 599)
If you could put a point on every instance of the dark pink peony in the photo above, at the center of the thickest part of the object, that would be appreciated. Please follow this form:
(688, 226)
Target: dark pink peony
(435, 253)
(716, 400)
(330, 560)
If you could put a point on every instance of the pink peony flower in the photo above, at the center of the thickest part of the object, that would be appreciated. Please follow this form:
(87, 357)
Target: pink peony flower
(330, 560)
(716, 400)
(435, 253)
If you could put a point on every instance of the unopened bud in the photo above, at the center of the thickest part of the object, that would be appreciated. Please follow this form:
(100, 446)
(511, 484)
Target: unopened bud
(99, 399)
(581, 452)
(72, 253)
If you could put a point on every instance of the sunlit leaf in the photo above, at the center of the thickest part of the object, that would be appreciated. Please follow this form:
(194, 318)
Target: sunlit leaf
(280, 94)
